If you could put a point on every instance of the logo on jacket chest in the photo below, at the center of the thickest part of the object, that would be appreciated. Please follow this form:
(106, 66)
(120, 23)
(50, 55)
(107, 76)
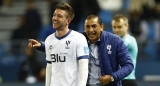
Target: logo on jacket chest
(109, 49)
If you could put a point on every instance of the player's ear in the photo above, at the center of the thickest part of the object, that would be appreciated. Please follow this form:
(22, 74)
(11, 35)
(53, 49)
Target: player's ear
(69, 21)
(127, 26)
(102, 26)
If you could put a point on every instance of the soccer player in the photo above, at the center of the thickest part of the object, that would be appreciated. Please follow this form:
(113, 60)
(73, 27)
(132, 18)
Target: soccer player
(120, 27)
(66, 51)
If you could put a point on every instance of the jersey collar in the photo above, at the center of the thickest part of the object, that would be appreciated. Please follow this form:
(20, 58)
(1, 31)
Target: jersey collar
(64, 35)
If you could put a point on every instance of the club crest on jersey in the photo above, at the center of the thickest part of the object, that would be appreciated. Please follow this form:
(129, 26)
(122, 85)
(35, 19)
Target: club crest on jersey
(109, 49)
(67, 44)
(50, 48)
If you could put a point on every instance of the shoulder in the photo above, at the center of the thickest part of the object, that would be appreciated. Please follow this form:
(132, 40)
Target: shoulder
(77, 34)
(132, 41)
(131, 38)
(108, 36)
(50, 37)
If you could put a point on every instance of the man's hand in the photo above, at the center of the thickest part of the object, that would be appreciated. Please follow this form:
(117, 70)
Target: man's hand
(33, 43)
(106, 79)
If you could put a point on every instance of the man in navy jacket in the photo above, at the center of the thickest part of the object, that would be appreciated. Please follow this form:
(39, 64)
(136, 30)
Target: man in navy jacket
(109, 61)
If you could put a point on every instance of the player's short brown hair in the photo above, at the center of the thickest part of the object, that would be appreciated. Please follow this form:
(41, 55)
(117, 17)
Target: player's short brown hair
(65, 6)
(120, 16)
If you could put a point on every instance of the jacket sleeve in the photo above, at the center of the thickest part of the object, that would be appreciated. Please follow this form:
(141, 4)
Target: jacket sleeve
(42, 48)
(124, 59)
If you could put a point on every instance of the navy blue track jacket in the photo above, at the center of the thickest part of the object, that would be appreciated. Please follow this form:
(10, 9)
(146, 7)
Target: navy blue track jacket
(114, 57)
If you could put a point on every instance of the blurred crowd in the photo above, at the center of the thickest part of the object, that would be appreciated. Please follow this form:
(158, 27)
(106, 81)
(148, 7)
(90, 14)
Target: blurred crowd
(31, 20)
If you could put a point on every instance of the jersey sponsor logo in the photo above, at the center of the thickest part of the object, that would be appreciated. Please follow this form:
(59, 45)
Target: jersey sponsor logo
(58, 58)
(86, 50)
(109, 49)
(67, 44)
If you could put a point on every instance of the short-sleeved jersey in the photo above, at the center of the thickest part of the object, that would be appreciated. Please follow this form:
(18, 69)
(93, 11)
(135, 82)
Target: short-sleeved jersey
(131, 44)
(64, 54)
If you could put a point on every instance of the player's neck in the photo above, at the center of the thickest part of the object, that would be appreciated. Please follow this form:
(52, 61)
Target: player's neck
(62, 32)
(125, 35)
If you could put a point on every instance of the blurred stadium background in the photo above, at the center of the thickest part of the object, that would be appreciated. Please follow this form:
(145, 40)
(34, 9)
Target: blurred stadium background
(24, 19)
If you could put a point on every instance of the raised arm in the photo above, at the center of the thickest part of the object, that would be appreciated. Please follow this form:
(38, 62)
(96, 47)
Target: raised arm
(40, 45)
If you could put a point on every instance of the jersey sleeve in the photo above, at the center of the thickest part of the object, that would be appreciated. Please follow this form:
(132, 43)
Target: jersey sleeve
(82, 48)
(134, 48)
(42, 47)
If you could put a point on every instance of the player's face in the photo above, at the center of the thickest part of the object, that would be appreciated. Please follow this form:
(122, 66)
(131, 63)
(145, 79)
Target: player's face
(59, 19)
(119, 28)
(93, 29)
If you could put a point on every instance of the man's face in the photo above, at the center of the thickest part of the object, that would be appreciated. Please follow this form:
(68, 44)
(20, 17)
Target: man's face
(59, 19)
(119, 27)
(93, 29)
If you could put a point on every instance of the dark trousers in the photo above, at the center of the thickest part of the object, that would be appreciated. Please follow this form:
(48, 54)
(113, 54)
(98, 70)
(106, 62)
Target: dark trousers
(129, 82)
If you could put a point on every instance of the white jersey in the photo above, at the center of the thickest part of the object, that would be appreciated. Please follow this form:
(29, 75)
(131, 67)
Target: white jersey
(64, 54)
